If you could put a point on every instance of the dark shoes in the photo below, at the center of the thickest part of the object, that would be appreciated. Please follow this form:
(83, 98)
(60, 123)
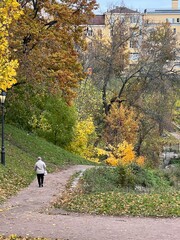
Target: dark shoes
(40, 185)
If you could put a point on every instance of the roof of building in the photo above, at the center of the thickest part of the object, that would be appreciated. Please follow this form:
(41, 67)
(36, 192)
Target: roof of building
(97, 20)
(163, 11)
(122, 10)
(100, 19)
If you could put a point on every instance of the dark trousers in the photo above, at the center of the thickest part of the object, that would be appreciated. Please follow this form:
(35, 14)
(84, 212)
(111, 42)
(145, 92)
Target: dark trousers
(40, 178)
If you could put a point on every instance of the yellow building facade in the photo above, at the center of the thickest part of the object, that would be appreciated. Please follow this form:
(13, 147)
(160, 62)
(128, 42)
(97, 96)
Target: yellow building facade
(101, 27)
(171, 16)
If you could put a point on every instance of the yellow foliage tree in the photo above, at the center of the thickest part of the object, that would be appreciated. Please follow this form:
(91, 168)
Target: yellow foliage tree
(122, 125)
(123, 154)
(9, 11)
(82, 141)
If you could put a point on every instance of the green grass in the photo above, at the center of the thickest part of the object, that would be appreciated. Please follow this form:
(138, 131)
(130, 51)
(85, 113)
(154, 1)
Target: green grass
(104, 179)
(101, 192)
(22, 150)
(125, 204)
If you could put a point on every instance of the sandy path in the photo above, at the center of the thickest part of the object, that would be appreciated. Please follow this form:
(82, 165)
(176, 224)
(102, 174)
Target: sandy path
(24, 215)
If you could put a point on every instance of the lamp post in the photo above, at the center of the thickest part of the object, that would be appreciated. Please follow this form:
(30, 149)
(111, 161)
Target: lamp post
(2, 98)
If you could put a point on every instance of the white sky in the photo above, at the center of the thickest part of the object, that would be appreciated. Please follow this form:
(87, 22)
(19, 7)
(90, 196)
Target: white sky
(134, 4)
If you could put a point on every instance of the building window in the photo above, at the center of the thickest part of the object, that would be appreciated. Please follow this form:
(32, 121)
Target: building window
(89, 32)
(99, 33)
(133, 44)
(134, 19)
(177, 19)
(134, 56)
(90, 45)
(122, 19)
(171, 20)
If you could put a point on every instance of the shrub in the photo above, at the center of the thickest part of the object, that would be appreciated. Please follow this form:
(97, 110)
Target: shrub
(134, 175)
(126, 177)
(100, 179)
(82, 142)
(123, 154)
(103, 179)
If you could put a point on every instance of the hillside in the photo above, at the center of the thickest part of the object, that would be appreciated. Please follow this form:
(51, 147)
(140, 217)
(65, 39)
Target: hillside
(22, 149)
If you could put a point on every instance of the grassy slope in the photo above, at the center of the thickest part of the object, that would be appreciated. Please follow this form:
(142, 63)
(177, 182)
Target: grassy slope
(22, 150)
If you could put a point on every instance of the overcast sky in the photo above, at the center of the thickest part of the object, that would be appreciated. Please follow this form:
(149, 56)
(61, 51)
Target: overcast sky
(135, 4)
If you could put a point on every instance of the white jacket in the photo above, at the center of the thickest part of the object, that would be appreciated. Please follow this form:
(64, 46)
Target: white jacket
(40, 167)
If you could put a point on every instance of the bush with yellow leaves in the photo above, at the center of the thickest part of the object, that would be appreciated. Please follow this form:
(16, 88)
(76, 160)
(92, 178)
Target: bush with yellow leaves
(82, 143)
(123, 154)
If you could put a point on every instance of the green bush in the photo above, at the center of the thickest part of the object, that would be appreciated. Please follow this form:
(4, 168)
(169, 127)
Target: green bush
(100, 179)
(132, 175)
(126, 177)
(173, 175)
(56, 122)
(103, 179)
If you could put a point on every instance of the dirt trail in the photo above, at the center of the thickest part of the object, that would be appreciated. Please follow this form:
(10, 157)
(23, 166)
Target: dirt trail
(25, 215)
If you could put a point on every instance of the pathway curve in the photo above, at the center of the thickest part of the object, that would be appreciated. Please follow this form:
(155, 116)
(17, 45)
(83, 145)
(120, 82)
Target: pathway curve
(25, 215)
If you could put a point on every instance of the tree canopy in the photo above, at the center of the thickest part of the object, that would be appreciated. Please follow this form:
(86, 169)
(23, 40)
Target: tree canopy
(9, 11)
(45, 41)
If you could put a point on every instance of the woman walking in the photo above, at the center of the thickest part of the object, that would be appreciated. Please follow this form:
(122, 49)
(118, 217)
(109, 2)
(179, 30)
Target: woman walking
(40, 168)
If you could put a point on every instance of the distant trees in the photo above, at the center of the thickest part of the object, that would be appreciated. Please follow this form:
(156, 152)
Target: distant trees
(134, 68)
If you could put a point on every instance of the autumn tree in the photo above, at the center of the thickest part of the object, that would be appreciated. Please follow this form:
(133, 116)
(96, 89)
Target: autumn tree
(88, 101)
(161, 78)
(121, 125)
(135, 66)
(82, 141)
(45, 42)
(9, 12)
(122, 154)
(108, 57)
(118, 75)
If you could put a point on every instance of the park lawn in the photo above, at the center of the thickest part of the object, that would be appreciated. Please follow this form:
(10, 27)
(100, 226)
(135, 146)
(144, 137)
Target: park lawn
(100, 192)
(125, 204)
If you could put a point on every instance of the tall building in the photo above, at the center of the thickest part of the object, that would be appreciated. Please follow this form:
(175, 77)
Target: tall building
(100, 24)
(172, 16)
(102, 27)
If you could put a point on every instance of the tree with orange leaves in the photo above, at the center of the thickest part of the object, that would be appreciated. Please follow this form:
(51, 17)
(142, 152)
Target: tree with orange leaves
(121, 125)
(46, 40)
